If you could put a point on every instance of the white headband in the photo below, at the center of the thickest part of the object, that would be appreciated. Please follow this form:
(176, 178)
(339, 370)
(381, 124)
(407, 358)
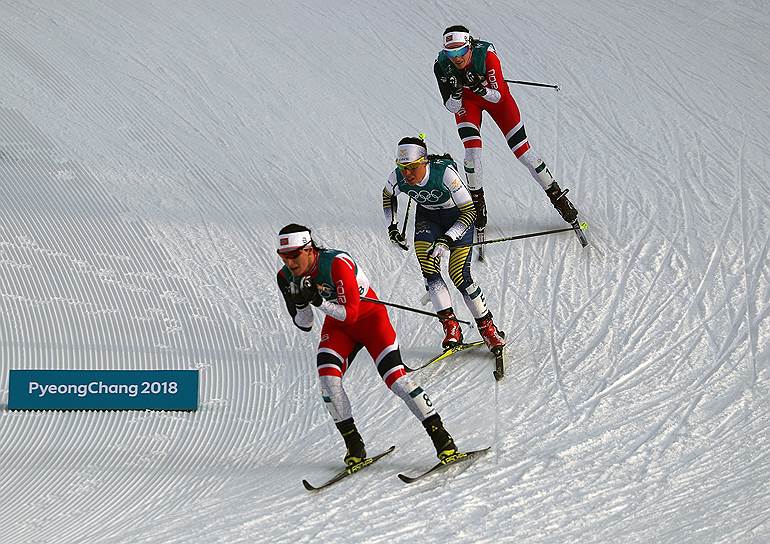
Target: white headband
(293, 240)
(410, 153)
(462, 38)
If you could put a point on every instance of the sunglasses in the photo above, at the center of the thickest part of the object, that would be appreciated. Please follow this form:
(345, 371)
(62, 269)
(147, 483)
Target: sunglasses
(459, 52)
(410, 165)
(292, 254)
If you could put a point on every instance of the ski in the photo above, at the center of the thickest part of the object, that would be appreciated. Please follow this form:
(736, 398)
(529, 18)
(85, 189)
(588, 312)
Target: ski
(348, 471)
(580, 229)
(449, 461)
(446, 353)
(480, 239)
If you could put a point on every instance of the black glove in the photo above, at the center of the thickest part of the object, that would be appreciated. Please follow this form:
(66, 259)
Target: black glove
(473, 82)
(296, 297)
(396, 237)
(305, 291)
(455, 87)
(309, 290)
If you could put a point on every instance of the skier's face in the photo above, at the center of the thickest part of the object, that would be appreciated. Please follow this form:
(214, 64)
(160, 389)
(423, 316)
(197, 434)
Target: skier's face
(415, 173)
(462, 62)
(299, 262)
(460, 54)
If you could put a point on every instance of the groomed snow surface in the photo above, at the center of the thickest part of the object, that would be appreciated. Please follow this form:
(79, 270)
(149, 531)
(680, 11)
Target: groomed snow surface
(149, 152)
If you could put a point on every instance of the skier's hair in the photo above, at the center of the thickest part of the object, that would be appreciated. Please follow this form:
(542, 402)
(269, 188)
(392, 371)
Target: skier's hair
(295, 227)
(456, 28)
(414, 140)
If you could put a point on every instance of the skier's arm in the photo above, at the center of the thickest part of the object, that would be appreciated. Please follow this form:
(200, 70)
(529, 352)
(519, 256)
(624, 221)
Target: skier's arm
(302, 316)
(346, 307)
(462, 199)
(452, 99)
(389, 200)
(494, 77)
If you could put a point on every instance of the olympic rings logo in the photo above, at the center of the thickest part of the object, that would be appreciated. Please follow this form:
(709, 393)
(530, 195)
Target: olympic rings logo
(425, 197)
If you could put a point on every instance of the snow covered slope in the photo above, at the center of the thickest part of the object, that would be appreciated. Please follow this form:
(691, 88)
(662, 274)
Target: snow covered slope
(149, 152)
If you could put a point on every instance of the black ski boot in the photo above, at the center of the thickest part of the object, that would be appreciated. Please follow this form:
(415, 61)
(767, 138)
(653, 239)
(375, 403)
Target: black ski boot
(561, 202)
(481, 208)
(442, 441)
(355, 444)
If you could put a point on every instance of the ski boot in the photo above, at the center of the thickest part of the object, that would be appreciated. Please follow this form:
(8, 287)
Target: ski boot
(481, 208)
(561, 202)
(355, 444)
(493, 337)
(452, 333)
(442, 441)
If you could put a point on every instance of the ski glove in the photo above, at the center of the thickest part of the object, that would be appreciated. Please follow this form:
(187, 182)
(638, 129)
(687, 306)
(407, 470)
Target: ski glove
(473, 82)
(396, 237)
(439, 247)
(455, 87)
(305, 291)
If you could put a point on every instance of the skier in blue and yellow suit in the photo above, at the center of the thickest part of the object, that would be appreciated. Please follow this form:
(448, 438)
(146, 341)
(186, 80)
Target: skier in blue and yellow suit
(443, 226)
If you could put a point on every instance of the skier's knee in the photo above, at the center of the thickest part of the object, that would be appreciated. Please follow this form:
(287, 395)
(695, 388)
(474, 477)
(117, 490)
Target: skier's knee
(391, 367)
(329, 365)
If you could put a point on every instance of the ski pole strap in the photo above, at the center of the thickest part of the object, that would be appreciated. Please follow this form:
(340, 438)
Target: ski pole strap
(534, 84)
(415, 310)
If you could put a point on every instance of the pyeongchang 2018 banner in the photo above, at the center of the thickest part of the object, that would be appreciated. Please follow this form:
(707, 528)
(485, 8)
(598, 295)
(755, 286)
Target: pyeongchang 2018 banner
(103, 390)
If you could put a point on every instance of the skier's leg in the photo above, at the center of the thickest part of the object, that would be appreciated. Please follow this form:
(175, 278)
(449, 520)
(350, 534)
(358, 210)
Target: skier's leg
(469, 129)
(556, 195)
(383, 346)
(425, 233)
(460, 273)
(332, 359)
(507, 116)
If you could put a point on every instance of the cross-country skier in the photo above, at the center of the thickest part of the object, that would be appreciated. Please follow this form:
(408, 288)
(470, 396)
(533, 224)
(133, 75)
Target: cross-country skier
(471, 81)
(443, 226)
(332, 282)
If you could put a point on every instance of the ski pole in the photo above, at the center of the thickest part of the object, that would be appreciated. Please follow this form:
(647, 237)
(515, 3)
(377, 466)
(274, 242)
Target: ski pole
(583, 226)
(367, 299)
(534, 84)
(406, 218)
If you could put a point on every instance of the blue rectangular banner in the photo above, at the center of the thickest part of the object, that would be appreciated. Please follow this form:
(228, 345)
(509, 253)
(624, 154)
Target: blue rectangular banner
(103, 390)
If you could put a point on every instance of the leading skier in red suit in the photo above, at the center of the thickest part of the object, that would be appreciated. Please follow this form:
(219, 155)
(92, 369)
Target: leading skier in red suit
(333, 283)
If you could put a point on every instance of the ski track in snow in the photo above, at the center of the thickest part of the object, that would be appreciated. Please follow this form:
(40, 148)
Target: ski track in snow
(149, 152)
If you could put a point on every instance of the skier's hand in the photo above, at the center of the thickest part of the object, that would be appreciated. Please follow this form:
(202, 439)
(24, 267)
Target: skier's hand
(439, 247)
(309, 289)
(474, 82)
(304, 292)
(396, 237)
(455, 87)
(295, 295)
